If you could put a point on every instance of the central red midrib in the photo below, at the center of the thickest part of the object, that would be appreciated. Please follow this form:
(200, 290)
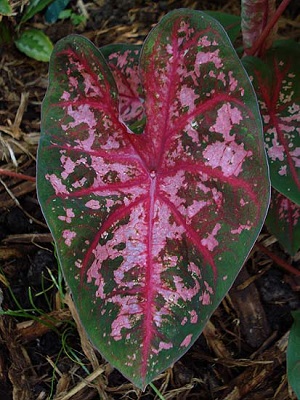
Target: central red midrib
(149, 290)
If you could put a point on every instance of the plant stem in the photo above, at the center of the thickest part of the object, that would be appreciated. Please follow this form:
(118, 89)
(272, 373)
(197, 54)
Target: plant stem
(279, 261)
(156, 391)
(254, 49)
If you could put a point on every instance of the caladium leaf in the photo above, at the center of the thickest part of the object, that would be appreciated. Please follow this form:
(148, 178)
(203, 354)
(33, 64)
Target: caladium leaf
(255, 16)
(283, 221)
(277, 84)
(151, 229)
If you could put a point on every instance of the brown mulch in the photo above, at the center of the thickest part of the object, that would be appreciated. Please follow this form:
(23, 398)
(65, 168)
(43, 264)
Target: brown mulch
(44, 353)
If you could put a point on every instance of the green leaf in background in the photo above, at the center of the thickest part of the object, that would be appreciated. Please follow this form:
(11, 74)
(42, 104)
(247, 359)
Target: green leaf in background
(283, 221)
(5, 8)
(33, 8)
(35, 44)
(54, 10)
(231, 23)
(293, 355)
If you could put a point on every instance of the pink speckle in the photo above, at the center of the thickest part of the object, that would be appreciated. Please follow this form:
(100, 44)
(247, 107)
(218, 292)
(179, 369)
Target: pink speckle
(65, 96)
(73, 82)
(185, 293)
(130, 311)
(276, 151)
(122, 321)
(93, 204)
(68, 217)
(68, 236)
(184, 321)
(68, 165)
(283, 170)
(221, 77)
(232, 82)
(206, 57)
(204, 42)
(226, 118)
(205, 298)
(295, 154)
(194, 317)
(210, 241)
(165, 346)
(81, 115)
(229, 157)
(186, 341)
(243, 202)
(240, 229)
(57, 184)
(188, 97)
(194, 269)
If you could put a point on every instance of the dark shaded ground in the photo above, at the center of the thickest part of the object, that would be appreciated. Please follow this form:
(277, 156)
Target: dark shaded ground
(241, 354)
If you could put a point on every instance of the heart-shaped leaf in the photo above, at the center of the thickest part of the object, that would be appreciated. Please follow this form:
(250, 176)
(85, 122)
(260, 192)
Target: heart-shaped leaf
(151, 229)
(277, 84)
(283, 221)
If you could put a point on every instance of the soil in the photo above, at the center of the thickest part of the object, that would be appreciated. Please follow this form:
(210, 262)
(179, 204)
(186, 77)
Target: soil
(44, 353)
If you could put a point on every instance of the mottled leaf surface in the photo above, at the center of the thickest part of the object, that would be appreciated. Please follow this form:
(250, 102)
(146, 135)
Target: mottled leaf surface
(123, 61)
(151, 229)
(277, 84)
(283, 221)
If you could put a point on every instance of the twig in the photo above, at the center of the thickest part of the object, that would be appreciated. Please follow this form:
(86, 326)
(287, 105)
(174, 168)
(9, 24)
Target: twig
(17, 175)
(279, 261)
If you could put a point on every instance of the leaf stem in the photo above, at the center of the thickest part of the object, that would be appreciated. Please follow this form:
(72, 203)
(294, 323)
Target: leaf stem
(279, 261)
(255, 48)
(156, 391)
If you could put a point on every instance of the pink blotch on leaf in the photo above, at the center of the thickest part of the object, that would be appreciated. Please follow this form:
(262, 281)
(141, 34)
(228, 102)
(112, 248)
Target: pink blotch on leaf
(276, 151)
(227, 116)
(229, 157)
(93, 204)
(210, 241)
(68, 217)
(186, 341)
(188, 97)
(194, 317)
(57, 184)
(206, 57)
(68, 236)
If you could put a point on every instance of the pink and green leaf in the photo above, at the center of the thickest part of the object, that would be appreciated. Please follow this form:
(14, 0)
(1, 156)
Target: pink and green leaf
(151, 229)
(276, 79)
(283, 221)
(255, 15)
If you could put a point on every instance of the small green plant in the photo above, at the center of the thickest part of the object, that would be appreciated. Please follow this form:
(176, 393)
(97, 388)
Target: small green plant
(153, 178)
(32, 42)
(76, 19)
